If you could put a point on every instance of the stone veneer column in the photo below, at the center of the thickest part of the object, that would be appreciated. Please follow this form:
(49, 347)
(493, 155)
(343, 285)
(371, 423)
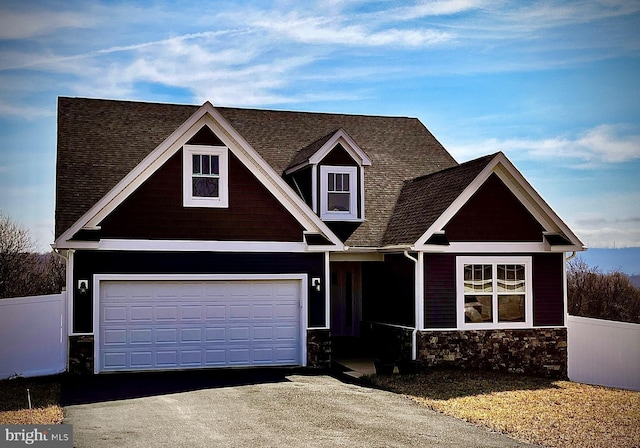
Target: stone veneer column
(319, 349)
(81, 355)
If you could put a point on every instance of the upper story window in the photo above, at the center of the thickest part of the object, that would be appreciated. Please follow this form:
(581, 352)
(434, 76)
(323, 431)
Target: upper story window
(494, 292)
(205, 176)
(338, 193)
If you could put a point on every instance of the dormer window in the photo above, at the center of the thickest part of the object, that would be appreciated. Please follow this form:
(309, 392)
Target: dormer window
(205, 176)
(338, 193)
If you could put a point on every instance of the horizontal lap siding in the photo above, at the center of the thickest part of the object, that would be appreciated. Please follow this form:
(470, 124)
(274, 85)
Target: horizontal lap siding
(155, 211)
(88, 263)
(439, 291)
(548, 290)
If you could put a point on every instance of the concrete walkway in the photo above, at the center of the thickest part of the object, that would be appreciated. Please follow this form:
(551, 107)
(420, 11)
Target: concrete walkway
(251, 408)
(356, 367)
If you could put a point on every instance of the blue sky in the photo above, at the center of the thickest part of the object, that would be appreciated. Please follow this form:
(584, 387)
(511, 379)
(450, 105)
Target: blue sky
(553, 84)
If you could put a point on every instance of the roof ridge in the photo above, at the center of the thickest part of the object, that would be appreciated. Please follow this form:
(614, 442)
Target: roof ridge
(461, 165)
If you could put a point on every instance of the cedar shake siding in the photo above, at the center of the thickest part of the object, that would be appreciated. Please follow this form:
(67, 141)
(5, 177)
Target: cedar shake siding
(155, 211)
(548, 290)
(439, 291)
(388, 293)
(493, 213)
(88, 263)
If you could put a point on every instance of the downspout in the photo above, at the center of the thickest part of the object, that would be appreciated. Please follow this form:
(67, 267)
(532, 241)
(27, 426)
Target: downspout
(414, 333)
(565, 287)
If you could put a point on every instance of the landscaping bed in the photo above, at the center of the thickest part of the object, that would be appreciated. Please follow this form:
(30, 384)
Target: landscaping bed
(45, 401)
(534, 410)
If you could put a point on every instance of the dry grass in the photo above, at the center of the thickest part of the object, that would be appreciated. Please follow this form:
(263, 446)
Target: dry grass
(45, 401)
(533, 410)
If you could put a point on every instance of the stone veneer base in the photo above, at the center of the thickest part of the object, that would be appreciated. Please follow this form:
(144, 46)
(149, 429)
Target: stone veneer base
(537, 351)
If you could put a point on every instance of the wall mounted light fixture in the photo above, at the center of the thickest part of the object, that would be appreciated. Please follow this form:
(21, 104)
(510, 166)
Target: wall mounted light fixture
(83, 286)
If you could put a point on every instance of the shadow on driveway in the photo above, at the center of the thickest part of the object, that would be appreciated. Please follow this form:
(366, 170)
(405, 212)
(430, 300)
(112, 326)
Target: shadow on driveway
(122, 386)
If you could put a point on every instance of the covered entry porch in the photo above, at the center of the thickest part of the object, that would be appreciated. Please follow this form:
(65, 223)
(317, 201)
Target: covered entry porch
(372, 300)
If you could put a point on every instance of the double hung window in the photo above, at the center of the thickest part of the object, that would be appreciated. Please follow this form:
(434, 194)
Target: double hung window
(494, 291)
(338, 192)
(205, 173)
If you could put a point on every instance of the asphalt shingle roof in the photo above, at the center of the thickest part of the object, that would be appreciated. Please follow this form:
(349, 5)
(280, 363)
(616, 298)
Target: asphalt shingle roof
(100, 141)
(423, 200)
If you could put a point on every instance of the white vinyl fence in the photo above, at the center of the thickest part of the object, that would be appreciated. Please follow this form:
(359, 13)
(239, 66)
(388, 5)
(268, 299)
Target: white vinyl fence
(32, 335)
(604, 352)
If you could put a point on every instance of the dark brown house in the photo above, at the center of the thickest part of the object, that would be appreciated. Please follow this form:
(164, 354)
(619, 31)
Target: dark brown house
(213, 237)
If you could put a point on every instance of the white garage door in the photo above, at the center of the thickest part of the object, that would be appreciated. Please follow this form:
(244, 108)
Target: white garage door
(148, 325)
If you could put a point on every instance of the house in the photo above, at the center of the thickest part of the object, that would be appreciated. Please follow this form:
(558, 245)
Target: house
(214, 237)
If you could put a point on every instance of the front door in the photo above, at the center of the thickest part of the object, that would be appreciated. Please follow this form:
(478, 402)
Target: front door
(346, 298)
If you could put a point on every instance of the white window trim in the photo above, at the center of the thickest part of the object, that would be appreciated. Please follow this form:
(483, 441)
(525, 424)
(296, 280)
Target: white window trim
(325, 213)
(188, 200)
(495, 260)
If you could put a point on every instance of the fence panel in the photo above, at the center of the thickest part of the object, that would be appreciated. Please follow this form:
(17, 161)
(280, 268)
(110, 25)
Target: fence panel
(604, 352)
(32, 335)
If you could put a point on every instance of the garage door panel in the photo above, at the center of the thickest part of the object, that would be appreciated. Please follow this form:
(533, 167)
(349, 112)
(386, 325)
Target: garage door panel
(239, 334)
(242, 312)
(261, 334)
(141, 313)
(190, 335)
(284, 333)
(190, 357)
(215, 334)
(148, 325)
(115, 314)
(114, 336)
(215, 312)
(263, 311)
(142, 359)
(114, 360)
(166, 313)
(141, 336)
(166, 335)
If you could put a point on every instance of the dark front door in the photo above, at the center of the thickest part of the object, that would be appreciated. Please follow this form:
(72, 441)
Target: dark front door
(346, 298)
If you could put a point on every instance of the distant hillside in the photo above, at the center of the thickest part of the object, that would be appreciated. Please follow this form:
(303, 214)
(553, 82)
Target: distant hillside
(625, 260)
(635, 280)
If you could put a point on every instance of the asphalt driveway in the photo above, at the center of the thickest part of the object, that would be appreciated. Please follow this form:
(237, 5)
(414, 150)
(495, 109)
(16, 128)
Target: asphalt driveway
(254, 408)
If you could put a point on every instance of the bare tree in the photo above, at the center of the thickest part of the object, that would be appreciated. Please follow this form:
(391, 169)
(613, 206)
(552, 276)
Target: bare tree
(593, 293)
(24, 272)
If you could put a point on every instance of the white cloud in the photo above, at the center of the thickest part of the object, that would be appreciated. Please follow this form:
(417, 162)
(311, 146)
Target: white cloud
(435, 8)
(603, 144)
(337, 30)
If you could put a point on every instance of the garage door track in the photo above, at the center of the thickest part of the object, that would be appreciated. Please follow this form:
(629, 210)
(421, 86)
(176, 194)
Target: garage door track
(254, 408)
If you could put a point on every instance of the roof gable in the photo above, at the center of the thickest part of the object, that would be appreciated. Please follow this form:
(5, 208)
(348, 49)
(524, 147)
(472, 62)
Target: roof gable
(423, 200)
(428, 204)
(206, 115)
(318, 150)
